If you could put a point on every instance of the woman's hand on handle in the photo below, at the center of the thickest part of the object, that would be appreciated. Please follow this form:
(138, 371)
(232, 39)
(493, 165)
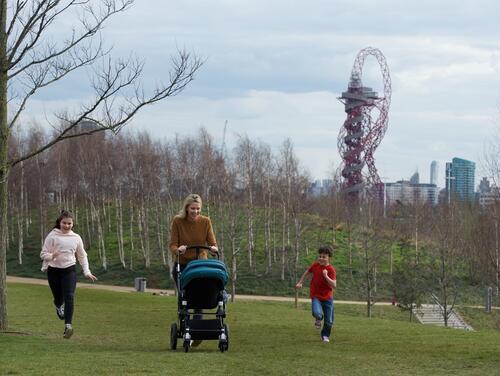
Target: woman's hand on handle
(214, 250)
(181, 250)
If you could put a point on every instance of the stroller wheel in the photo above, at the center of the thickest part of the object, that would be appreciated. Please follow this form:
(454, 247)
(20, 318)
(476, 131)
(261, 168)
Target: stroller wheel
(226, 329)
(187, 345)
(173, 336)
(223, 346)
(224, 342)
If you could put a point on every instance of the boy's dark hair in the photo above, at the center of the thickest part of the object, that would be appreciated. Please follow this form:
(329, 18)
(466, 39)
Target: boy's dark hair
(326, 249)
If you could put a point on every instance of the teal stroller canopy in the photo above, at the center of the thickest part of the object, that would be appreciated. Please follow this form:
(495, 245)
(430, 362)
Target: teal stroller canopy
(210, 268)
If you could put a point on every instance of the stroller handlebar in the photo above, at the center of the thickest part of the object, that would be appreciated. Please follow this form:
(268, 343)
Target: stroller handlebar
(198, 247)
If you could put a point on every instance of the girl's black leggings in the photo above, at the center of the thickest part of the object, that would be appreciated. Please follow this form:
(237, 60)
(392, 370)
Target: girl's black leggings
(62, 282)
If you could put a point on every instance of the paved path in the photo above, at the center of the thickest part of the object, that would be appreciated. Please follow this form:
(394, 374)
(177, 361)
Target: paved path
(35, 281)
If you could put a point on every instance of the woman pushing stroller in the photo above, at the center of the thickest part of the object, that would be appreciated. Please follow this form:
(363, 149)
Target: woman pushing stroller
(190, 228)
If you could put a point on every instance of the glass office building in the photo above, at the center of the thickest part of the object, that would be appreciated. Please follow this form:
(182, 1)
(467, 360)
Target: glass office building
(460, 179)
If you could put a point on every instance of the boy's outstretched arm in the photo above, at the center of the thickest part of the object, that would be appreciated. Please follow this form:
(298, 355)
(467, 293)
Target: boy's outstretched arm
(301, 280)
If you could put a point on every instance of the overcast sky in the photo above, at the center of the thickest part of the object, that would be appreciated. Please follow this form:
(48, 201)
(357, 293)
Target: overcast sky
(275, 68)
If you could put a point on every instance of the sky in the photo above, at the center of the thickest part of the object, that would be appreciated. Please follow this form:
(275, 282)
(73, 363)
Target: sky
(274, 70)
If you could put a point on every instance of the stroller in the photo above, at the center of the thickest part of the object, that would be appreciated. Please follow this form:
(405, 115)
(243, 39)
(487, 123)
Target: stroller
(201, 286)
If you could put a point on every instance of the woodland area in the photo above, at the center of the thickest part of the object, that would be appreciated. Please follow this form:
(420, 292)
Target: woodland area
(125, 189)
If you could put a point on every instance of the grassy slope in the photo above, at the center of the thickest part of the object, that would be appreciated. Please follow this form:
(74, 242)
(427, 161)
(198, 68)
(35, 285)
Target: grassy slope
(317, 232)
(127, 333)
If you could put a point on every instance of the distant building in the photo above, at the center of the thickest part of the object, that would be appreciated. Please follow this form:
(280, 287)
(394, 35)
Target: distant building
(415, 178)
(407, 192)
(434, 173)
(487, 194)
(489, 198)
(321, 187)
(460, 180)
(484, 186)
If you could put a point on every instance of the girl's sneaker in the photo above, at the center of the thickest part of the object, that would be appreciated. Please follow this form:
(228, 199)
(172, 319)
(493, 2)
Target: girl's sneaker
(60, 312)
(325, 339)
(68, 331)
(317, 324)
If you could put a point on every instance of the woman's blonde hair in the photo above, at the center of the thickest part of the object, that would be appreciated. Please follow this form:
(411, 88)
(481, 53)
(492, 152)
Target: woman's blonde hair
(193, 197)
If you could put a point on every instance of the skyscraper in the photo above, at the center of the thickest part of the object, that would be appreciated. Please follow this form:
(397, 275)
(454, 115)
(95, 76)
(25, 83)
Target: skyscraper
(434, 173)
(460, 179)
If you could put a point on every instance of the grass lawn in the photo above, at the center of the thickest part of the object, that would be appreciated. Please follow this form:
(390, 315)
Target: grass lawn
(128, 333)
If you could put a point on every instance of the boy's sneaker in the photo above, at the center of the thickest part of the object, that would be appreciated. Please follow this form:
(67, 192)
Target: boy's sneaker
(68, 331)
(317, 324)
(325, 339)
(60, 312)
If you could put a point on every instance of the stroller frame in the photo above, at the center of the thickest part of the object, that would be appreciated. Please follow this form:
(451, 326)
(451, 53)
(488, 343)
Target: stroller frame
(190, 300)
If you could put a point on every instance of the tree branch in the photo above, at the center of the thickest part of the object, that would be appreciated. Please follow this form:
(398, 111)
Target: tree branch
(105, 111)
(40, 22)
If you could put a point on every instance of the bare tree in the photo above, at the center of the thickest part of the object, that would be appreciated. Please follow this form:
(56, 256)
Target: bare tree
(247, 160)
(491, 165)
(31, 62)
(409, 285)
(445, 266)
(369, 236)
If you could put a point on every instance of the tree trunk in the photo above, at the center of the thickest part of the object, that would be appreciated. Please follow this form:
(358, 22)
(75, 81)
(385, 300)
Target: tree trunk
(349, 252)
(119, 227)
(88, 221)
(20, 218)
(144, 234)
(3, 230)
(267, 224)
(41, 202)
(497, 254)
(222, 229)
(275, 257)
(369, 291)
(4, 168)
(159, 233)
(283, 245)
(250, 230)
(298, 231)
(20, 235)
(132, 247)
(234, 251)
(100, 236)
(267, 236)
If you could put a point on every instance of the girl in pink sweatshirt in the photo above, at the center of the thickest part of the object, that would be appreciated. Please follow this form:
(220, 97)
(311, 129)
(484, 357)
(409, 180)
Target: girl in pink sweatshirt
(59, 253)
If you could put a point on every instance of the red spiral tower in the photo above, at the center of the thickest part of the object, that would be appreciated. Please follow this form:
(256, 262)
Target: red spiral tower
(361, 133)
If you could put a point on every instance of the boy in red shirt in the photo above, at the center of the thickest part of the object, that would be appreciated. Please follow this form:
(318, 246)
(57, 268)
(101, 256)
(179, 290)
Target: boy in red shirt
(323, 284)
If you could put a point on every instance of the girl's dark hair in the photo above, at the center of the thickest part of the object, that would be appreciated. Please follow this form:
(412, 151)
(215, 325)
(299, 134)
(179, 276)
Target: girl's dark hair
(64, 214)
(326, 250)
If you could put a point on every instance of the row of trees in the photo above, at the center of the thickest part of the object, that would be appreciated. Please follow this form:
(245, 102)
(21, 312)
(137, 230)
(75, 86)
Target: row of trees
(131, 186)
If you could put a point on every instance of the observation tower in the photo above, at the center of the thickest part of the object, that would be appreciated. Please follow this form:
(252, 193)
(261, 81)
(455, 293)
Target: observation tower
(362, 132)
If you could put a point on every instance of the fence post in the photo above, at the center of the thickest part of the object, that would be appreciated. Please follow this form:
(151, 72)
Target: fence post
(489, 299)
